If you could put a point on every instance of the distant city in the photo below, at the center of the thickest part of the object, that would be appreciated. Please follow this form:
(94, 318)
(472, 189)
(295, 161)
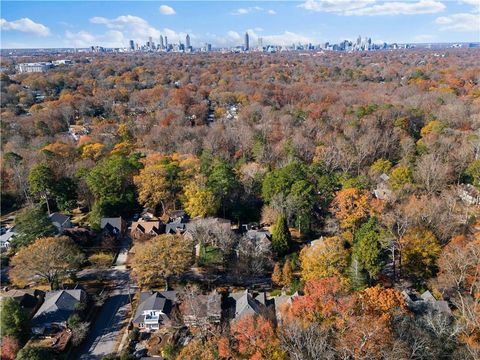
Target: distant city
(361, 44)
(163, 45)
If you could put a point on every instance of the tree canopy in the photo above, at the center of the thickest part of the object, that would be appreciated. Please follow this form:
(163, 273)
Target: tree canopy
(48, 259)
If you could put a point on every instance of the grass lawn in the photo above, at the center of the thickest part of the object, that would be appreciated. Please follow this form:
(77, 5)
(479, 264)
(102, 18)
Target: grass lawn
(210, 255)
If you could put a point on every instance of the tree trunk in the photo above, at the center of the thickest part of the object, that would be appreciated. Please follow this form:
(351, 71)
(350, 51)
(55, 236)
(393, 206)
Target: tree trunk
(48, 205)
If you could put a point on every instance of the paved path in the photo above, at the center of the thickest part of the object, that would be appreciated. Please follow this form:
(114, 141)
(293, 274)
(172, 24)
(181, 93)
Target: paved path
(105, 330)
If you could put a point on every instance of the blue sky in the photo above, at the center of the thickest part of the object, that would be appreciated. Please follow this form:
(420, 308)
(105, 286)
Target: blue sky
(27, 24)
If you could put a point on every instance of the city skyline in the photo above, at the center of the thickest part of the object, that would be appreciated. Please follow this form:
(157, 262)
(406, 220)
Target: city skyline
(225, 24)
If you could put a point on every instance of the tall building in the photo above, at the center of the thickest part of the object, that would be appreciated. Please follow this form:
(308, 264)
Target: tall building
(260, 42)
(166, 42)
(132, 45)
(161, 42)
(187, 41)
(246, 45)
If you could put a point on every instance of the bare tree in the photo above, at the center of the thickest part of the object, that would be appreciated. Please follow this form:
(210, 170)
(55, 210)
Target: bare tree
(306, 342)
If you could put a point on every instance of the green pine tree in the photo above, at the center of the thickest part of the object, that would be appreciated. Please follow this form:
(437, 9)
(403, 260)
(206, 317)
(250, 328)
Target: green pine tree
(281, 237)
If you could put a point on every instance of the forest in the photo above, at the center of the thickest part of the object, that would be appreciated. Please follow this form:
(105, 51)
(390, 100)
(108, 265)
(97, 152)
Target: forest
(365, 166)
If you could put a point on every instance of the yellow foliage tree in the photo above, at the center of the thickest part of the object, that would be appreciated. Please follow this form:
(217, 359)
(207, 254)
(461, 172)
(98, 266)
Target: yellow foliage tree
(163, 178)
(48, 258)
(419, 250)
(199, 201)
(160, 258)
(277, 275)
(92, 151)
(325, 258)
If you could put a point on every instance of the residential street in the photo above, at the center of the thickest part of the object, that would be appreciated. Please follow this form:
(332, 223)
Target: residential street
(105, 331)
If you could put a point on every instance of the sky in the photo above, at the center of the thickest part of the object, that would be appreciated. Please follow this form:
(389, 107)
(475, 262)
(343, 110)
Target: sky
(46, 24)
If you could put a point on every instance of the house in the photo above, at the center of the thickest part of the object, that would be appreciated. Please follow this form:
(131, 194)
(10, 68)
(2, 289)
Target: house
(259, 235)
(114, 226)
(154, 309)
(29, 300)
(60, 221)
(141, 228)
(243, 303)
(203, 310)
(281, 302)
(175, 227)
(56, 309)
(469, 194)
(426, 302)
(6, 239)
(147, 214)
(177, 216)
(382, 191)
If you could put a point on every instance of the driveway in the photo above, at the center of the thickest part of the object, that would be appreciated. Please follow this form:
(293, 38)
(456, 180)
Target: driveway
(105, 331)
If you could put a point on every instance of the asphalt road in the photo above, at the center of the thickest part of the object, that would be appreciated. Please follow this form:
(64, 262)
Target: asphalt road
(105, 330)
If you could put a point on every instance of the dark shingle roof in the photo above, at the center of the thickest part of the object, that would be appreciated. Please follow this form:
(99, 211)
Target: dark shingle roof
(58, 306)
(162, 301)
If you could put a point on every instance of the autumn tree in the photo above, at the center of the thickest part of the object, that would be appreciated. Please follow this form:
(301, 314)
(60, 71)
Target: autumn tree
(322, 301)
(256, 339)
(9, 347)
(161, 258)
(49, 259)
(281, 238)
(459, 281)
(419, 253)
(287, 273)
(92, 151)
(199, 200)
(381, 166)
(277, 275)
(350, 206)
(400, 176)
(199, 349)
(326, 257)
(162, 179)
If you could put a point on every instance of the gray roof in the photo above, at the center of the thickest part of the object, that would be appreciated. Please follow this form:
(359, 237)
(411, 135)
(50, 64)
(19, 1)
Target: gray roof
(7, 237)
(384, 177)
(160, 301)
(58, 306)
(244, 303)
(426, 302)
(258, 235)
(172, 227)
(59, 218)
(115, 222)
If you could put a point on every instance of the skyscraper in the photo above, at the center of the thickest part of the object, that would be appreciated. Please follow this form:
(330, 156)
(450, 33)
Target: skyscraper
(132, 45)
(246, 45)
(166, 42)
(260, 42)
(161, 42)
(187, 42)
